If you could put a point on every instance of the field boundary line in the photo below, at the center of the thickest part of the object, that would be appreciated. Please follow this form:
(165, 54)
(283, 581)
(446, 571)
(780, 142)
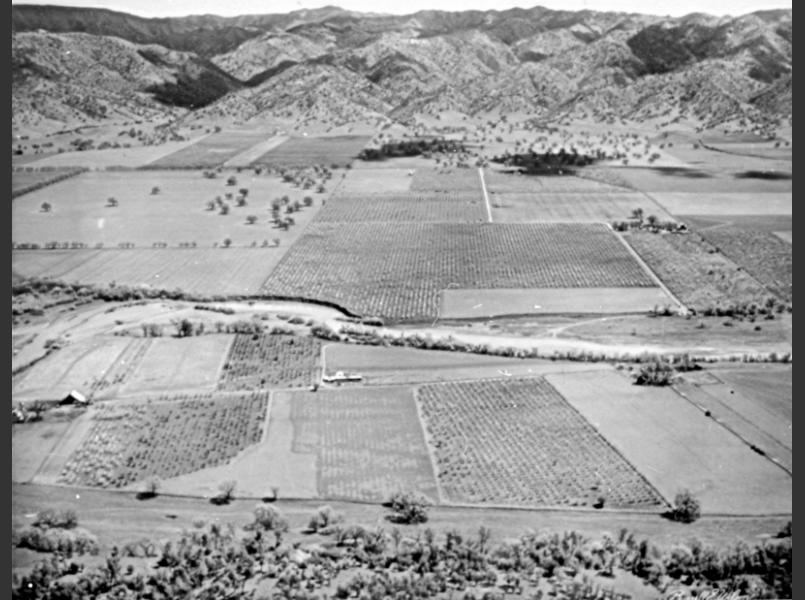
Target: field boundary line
(648, 269)
(486, 196)
(428, 446)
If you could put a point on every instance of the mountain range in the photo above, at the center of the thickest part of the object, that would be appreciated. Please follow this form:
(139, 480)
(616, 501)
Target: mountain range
(334, 65)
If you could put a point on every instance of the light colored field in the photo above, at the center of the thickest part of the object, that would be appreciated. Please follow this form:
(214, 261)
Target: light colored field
(771, 223)
(458, 207)
(191, 363)
(31, 443)
(784, 235)
(732, 160)
(202, 271)
(260, 467)
(53, 459)
(376, 269)
(114, 157)
(733, 203)
(676, 446)
(455, 180)
(370, 180)
(23, 182)
(177, 214)
(309, 151)
(248, 156)
(459, 303)
(392, 365)
(368, 441)
(697, 180)
(74, 367)
(755, 403)
(212, 150)
(571, 207)
(518, 442)
(513, 183)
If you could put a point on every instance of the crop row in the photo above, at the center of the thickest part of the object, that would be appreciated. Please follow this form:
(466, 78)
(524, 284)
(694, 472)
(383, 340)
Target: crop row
(123, 367)
(396, 270)
(269, 361)
(416, 207)
(499, 182)
(210, 151)
(369, 442)
(336, 151)
(517, 441)
(458, 180)
(28, 180)
(132, 441)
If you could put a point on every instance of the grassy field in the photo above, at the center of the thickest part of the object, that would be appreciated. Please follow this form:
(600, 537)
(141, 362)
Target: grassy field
(308, 151)
(368, 442)
(132, 441)
(571, 207)
(517, 441)
(179, 213)
(24, 182)
(764, 256)
(784, 235)
(477, 303)
(460, 207)
(270, 361)
(343, 263)
(128, 158)
(771, 223)
(499, 182)
(31, 443)
(212, 150)
(698, 179)
(458, 180)
(368, 180)
(193, 270)
(734, 203)
(676, 446)
(180, 364)
(696, 274)
(248, 156)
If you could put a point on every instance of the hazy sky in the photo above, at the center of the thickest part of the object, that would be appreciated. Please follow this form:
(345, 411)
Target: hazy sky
(165, 8)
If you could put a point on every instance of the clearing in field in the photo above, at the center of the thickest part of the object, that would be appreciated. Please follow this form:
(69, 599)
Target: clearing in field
(396, 270)
(735, 203)
(571, 207)
(24, 181)
(498, 182)
(459, 207)
(459, 180)
(332, 151)
(695, 272)
(676, 446)
(480, 303)
(764, 256)
(78, 366)
(212, 150)
(178, 213)
(376, 181)
(755, 403)
(369, 442)
(129, 442)
(180, 364)
(193, 270)
(381, 365)
(517, 441)
(270, 361)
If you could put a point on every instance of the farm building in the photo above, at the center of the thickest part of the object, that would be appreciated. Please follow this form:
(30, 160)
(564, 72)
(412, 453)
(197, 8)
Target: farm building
(74, 397)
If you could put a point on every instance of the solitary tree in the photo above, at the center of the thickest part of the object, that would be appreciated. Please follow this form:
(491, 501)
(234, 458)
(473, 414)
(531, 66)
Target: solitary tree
(46, 207)
(232, 180)
(251, 219)
(227, 243)
(111, 202)
(155, 190)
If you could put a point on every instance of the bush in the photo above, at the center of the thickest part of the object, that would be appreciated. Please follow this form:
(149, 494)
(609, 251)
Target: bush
(45, 539)
(268, 518)
(655, 373)
(323, 519)
(48, 519)
(226, 494)
(150, 489)
(686, 508)
(409, 507)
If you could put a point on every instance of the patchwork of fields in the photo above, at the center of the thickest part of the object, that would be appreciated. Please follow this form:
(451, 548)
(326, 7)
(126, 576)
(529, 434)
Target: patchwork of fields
(212, 150)
(459, 207)
(333, 151)
(270, 361)
(571, 207)
(341, 263)
(507, 183)
(25, 181)
(434, 180)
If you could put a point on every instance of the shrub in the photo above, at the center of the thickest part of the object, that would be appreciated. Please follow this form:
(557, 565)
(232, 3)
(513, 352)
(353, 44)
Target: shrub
(150, 489)
(49, 518)
(69, 542)
(655, 373)
(686, 508)
(323, 519)
(409, 507)
(226, 493)
(268, 518)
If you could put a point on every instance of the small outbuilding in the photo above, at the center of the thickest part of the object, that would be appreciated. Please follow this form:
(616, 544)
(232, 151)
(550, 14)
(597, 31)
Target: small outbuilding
(74, 397)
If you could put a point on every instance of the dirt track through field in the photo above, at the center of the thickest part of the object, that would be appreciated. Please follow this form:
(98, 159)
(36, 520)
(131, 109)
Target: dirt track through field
(486, 195)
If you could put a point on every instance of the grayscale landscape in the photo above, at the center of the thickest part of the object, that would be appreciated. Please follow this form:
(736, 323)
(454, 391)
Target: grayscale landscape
(461, 305)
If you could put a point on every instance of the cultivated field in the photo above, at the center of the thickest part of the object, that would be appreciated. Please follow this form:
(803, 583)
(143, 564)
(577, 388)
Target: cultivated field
(772, 223)
(460, 207)
(764, 256)
(212, 150)
(270, 361)
(368, 442)
(735, 203)
(248, 156)
(676, 446)
(333, 151)
(458, 180)
(25, 181)
(397, 270)
(365, 181)
(694, 272)
(129, 442)
(193, 270)
(571, 207)
(517, 441)
(479, 303)
(697, 180)
(513, 183)
(180, 364)
(177, 214)
(127, 158)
